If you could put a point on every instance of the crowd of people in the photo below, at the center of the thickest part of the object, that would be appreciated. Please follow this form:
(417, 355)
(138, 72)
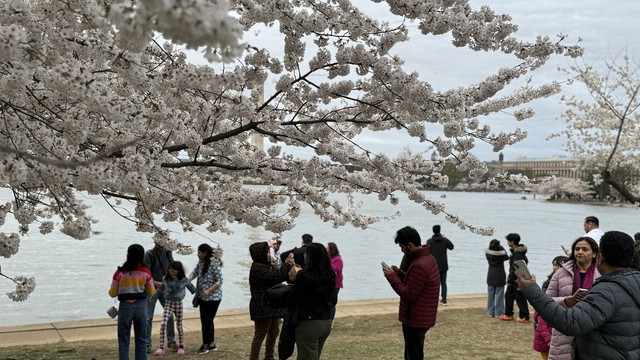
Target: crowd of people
(153, 276)
(591, 294)
(309, 277)
(586, 308)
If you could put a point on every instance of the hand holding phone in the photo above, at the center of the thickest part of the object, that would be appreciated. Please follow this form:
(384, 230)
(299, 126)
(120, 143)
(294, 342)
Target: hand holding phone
(580, 294)
(384, 265)
(521, 269)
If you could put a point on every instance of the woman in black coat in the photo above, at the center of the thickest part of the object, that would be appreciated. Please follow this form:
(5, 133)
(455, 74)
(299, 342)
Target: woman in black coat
(496, 278)
(262, 276)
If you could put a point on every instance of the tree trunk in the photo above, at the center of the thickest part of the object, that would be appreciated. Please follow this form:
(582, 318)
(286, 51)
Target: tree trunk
(621, 188)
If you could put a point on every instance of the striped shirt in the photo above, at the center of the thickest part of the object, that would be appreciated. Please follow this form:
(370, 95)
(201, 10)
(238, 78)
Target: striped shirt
(133, 285)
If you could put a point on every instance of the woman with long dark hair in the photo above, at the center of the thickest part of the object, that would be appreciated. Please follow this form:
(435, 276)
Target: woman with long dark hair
(579, 272)
(312, 296)
(209, 292)
(132, 283)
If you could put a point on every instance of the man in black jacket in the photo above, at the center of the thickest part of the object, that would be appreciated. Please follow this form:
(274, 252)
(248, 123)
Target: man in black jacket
(518, 252)
(298, 252)
(439, 247)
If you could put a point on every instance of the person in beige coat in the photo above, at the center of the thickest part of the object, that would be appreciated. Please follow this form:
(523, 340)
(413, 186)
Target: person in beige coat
(579, 272)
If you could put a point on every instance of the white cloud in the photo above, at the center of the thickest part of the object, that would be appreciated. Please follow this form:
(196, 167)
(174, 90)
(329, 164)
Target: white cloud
(605, 30)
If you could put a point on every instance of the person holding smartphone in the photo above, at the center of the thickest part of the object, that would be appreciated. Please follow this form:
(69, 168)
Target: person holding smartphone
(606, 324)
(567, 287)
(418, 289)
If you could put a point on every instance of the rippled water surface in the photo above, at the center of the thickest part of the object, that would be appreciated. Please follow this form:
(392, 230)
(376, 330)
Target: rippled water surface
(73, 277)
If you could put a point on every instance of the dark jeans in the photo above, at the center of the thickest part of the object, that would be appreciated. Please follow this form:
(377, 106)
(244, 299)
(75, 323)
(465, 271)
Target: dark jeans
(443, 285)
(413, 342)
(513, 294)
(332, 313)
(208, 310)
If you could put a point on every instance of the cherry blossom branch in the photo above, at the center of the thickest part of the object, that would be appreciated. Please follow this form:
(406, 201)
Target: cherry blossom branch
(66, 164)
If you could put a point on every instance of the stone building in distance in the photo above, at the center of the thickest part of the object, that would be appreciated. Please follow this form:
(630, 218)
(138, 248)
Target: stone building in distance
(535, 168)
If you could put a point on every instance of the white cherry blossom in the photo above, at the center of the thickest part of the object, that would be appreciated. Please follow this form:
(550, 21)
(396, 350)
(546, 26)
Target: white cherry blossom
(100, 97)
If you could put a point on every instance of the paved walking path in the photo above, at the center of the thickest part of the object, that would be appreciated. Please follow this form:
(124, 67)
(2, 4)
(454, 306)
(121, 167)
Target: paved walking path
(105, 329)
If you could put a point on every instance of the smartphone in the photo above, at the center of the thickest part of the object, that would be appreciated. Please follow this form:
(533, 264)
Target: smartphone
(521, 269)
(580, 291)
(384, 265)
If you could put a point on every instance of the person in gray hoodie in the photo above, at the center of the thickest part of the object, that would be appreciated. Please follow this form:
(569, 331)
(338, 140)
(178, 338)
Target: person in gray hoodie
(606, 322)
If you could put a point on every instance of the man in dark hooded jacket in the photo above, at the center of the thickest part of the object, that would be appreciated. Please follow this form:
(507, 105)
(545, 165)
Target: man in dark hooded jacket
(606, 322)
(439, 247)
(518, 252)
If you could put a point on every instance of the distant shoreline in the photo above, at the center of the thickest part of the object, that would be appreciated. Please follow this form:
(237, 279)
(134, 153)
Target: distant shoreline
(591, 202)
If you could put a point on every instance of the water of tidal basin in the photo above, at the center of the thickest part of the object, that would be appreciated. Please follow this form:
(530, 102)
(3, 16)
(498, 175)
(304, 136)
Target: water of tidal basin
(73, 276)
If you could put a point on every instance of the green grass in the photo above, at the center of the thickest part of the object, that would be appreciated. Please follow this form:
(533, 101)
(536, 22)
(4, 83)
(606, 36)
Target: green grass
(458, 334)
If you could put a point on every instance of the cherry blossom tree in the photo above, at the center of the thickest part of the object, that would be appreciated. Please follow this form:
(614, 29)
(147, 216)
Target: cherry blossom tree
(603, 131)
(563, 187)
(99, 97)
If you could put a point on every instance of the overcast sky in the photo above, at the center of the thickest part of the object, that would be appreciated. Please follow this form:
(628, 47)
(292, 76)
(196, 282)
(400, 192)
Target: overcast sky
(606, 29)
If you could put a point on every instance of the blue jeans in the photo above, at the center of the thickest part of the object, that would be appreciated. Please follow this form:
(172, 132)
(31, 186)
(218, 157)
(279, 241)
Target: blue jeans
(443, 285)
(132, 313)
(495, 300)
(413, 342)
(151, 308)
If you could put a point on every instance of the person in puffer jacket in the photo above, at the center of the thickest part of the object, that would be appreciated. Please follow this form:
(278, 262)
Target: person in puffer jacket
(496, 278)
(605, 323)
(542, 333)
(518, 252)
(579, 271)
(418, 288)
